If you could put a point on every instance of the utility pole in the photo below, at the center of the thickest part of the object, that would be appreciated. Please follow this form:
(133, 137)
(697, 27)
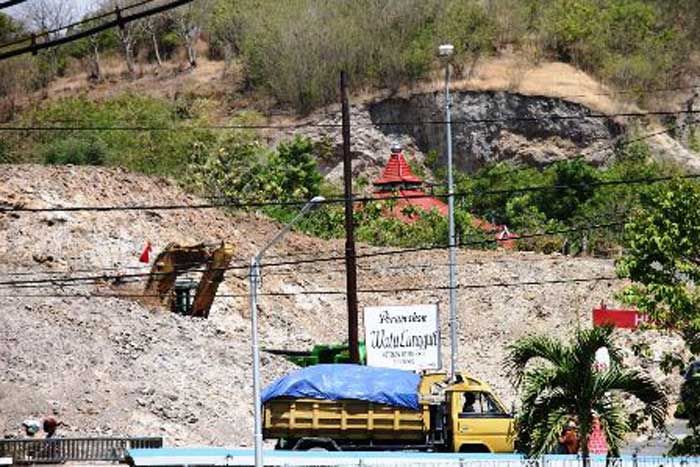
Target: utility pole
(350, 263)
(445, 52)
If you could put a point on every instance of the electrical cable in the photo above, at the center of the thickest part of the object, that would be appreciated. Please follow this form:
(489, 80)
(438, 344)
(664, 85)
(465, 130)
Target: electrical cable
(356, 200)
(122, 277)
(9, 3)
(120, 21)
(338, 292)
(143, 128)
(71, 26)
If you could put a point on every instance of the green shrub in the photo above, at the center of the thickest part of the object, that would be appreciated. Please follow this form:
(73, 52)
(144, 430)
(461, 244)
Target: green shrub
(152, 148)
(74, 151)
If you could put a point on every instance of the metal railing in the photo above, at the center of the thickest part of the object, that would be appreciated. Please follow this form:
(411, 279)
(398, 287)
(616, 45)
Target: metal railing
(546, 461)
(54, 450)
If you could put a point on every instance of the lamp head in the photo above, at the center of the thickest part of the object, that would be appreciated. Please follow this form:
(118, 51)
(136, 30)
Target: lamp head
(446, 50)
(317, 200)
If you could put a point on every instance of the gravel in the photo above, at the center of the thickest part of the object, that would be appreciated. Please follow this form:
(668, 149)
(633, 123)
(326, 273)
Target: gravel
(118, 366)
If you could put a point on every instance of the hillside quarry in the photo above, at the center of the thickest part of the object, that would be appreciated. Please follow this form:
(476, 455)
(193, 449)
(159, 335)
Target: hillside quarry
(113, 366)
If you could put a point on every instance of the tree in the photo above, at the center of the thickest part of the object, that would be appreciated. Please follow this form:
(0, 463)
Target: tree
(12, 73)
(127, 34)
(9, 28)
(690, 445)
(189, 21)
(150, 27)
(42, 16)
(662, 257)
(46, 19)
(566, 385)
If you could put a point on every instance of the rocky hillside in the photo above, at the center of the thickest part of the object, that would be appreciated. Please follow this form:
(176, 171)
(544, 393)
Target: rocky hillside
(110, 365)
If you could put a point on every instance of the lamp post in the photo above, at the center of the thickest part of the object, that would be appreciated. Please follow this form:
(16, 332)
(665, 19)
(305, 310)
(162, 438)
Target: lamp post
(254, 283)
(445, 52)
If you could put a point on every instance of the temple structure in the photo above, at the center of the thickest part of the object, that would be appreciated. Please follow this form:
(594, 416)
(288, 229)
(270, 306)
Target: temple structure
(398, 182)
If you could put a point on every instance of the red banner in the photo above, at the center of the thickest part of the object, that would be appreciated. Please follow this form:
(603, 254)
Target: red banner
(626, 319)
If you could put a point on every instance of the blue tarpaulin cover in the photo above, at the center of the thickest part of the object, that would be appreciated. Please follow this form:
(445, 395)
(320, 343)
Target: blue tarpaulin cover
(397, 388)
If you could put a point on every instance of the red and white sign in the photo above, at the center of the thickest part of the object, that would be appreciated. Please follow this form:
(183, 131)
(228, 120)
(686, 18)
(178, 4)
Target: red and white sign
(625, 319)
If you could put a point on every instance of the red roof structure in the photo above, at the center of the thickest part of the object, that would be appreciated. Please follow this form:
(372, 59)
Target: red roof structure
(396, 172)
(398, 180)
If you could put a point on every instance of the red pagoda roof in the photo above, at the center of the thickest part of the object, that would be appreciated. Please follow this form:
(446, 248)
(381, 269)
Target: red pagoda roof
(416, 198)
(397, 171)
(392, 184)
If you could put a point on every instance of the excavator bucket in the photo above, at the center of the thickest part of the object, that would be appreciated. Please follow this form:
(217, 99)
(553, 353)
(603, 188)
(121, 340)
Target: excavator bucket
(176, 260)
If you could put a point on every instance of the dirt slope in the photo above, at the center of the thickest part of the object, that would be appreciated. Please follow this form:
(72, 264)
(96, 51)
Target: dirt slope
(111, 366)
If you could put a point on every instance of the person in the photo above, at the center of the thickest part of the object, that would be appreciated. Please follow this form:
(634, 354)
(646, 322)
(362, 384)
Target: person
(568, 441)
(469, 400)
(31, 427)
(50, 425)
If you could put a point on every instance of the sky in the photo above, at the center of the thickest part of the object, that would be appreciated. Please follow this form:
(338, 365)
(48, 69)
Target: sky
(83, 6)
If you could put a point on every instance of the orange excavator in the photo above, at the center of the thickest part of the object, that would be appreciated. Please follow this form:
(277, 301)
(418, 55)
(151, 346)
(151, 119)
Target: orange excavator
(178, 260)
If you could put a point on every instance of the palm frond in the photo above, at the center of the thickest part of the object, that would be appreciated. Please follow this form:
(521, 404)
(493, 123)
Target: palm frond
(548, 415)
(637, 384)
(588, 341)
(613, 422)
(548, 432)
(528, 348)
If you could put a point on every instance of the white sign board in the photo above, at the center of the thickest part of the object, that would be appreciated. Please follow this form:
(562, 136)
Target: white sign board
(403, 337)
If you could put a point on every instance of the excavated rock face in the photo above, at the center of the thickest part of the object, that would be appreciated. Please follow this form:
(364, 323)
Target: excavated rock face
(488, 127)
(499, 126)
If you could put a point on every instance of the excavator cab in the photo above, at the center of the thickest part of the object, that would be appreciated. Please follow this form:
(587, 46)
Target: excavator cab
(171, 280)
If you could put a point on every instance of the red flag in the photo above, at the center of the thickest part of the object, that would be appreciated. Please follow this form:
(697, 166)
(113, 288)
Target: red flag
(145, 254)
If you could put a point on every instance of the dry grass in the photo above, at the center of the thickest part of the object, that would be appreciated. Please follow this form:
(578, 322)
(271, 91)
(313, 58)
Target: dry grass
(520, 72)
(527, 75)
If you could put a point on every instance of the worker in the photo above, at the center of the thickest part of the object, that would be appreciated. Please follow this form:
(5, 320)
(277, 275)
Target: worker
(568, 441)
(50, 425)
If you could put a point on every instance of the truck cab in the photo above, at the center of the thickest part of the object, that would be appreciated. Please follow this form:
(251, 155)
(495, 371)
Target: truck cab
(479, 422)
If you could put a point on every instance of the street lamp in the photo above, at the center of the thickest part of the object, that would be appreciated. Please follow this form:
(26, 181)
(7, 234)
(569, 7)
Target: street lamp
(445, 52)
(254, 283)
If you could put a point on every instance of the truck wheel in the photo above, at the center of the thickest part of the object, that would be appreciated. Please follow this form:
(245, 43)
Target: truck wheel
(316, 444)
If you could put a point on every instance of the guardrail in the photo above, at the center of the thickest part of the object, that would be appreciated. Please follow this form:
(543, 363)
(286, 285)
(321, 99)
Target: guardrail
(55, 450)
(192, 457)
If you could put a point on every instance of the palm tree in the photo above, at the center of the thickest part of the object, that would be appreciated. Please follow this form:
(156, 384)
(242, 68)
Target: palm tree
(563, 384)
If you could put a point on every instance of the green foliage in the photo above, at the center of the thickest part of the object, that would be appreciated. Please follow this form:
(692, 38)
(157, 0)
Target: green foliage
(564, 385)
(629, 42)
(74, 151)
(565, 197)
(238, 166)
(148, 151)
(690, 445)
(296, 49)
(694, 140)
(662, 243)
(9, 28)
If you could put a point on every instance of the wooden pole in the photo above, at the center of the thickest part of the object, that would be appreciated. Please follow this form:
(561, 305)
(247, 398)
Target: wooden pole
(350, 261)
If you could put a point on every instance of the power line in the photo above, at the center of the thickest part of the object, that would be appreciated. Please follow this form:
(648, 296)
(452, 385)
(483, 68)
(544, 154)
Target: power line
(32, 38)
(143, 128)
(125, 277)
(338, 292)
(307, 271)
(356, 200)
(10, 3)
(119, 22)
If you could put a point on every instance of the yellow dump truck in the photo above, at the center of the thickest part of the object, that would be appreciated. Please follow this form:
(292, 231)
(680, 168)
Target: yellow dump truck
(464, 416)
